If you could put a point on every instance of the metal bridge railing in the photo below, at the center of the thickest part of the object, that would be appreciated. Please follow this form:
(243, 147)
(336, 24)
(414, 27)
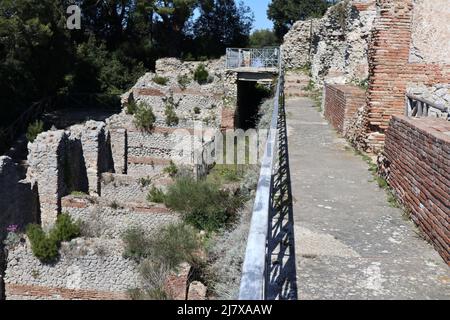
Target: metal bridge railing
(253, 58)
(269, 271)
(419, 107)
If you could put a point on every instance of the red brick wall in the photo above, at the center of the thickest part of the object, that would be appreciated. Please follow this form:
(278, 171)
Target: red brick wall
(341, 104)
(389, 69)
(418, 154)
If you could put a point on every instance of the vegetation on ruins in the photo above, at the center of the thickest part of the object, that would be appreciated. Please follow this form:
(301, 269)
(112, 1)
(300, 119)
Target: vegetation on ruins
(34, 129)
(171, 116)
(201, 75)
(144, 118)
(162, 81)
(159, 254)
(203, 204)
(171, 170)
(155, 195)
(131, 108)
(45, 246)
(183, 81)
(197, 110)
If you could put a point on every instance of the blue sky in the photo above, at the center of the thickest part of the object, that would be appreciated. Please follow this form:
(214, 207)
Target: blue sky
(259, 8)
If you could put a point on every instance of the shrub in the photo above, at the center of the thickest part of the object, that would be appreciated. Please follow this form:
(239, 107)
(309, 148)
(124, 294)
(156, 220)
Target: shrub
(131, 108)
(175, 244)
(183, 81)
(197, 110)
(171, 170)
(171, 116)
(144, 117)
(34, 129)
(201, 74)
(65, 229)
(155, 195)
(136, 244)
(160, 80)
(43, 247)
(202, 203)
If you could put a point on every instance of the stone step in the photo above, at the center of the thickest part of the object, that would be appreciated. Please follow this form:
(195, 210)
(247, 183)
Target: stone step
(103, 218)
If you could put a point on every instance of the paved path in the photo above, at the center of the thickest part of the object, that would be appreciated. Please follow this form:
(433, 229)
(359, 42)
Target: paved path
(350, 243)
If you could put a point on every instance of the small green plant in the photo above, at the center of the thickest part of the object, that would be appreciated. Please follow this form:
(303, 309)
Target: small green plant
(45, 246)
(201, 75)
(145, 182)
(114, 205)
(136, 244)
(197, 110)
(65, 229)
(144, 118)
(171, 116)
(183, 81)
(34, 129)
(35, 274)
(162, 81)
(171, 170)
(131, 108)
(202, 203)
(155, 195)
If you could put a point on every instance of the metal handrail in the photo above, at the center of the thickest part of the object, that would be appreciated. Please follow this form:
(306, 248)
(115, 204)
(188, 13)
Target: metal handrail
(253, 58)
(255, 268)
(417, 106)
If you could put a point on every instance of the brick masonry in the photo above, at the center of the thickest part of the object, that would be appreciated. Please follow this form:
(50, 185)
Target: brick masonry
(341, 104)
(418, 157)
(390, 70)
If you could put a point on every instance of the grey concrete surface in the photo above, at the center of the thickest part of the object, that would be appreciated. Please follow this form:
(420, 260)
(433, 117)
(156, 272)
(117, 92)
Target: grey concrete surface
(350, 244)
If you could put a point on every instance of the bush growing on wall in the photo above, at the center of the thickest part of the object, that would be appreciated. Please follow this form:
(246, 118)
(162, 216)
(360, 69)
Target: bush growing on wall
(34, 129)
(45, 246)
(144, 118)
(201, 75)
(202, 204)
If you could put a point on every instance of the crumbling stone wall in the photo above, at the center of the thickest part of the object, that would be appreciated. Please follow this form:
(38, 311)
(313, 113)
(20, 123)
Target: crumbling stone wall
(18, 205)
(46, 159)
(61, 162)
(335, 46)
(87, 269)
(417, 153)
(109, 220)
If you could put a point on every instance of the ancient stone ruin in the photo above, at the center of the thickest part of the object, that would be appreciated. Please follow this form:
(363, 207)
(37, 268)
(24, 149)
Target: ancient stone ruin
(96, 172)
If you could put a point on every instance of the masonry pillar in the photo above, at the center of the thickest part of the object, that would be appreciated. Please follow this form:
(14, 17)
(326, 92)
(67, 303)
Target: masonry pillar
(46, 168)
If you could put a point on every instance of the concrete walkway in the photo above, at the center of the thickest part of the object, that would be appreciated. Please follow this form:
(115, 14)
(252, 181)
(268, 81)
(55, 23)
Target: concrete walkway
(350, 243)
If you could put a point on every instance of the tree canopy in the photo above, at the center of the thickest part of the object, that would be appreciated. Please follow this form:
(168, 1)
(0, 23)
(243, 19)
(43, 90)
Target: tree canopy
(285, 12)
(263, 38)
(117, 42)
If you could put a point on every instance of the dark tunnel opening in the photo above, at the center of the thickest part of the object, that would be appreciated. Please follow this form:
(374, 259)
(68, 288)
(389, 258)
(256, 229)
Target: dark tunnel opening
(250, 96)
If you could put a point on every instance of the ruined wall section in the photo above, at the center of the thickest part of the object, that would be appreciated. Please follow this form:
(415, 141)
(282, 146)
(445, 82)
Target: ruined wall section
(391, 72)
(335, 46)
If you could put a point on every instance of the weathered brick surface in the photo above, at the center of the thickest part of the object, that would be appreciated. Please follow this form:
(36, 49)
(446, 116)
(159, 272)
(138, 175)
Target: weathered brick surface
(30, 292)
(418, 153)
(341, 104)
(390, 71)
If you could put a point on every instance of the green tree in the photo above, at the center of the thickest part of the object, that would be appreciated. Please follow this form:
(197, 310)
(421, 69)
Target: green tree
(263, 38)
(222, 24)
(285, 12)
